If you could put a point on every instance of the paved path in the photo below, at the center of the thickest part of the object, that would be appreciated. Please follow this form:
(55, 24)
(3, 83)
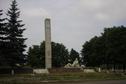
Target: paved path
(93, 82)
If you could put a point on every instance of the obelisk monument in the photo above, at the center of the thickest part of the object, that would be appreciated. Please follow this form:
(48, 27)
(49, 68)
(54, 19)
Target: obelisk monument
(48, 50)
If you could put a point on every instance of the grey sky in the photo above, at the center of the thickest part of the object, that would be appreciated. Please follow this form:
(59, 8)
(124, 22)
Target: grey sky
(73, 21)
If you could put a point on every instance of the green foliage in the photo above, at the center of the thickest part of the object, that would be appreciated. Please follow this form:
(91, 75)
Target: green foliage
(15, 47)
(35, 59)
(59, 55)
(36, 55)
(107, 49)
(3, 39)
(73, 55)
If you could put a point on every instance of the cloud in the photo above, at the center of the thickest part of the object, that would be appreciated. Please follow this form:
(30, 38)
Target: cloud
(92, 4)
(35, 12)
(109, 11)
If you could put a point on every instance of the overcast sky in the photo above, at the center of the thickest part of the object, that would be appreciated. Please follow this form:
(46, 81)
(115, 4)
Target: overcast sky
(73, 21)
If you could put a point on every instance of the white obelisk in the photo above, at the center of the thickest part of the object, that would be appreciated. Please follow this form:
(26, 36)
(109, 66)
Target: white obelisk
(48, 50)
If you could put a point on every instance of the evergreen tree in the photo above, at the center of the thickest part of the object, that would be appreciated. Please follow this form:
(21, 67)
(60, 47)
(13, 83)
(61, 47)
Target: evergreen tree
(16, 45)
(3, 38)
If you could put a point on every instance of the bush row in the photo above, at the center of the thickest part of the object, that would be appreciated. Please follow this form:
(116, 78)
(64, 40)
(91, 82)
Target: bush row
(16, 70)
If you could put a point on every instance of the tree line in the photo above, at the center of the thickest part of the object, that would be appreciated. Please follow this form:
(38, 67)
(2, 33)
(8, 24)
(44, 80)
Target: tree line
(60, 55)
(108, 50)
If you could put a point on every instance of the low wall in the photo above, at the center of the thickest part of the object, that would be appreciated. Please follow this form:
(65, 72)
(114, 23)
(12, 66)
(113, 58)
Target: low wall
(61, 70)
(16, 70)
(89, 70)
(40, 71)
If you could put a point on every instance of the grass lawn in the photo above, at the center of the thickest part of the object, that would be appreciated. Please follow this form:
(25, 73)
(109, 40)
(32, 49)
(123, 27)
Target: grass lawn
(37, 79)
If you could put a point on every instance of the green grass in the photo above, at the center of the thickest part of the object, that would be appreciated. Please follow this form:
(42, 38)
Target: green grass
(36, 79)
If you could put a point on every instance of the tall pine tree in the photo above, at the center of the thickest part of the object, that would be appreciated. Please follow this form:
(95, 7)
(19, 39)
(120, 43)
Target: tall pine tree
(3, 39)
(16, 46)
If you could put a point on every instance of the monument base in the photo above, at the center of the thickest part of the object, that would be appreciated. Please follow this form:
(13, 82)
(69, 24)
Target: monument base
(64, 70)
(40, 71)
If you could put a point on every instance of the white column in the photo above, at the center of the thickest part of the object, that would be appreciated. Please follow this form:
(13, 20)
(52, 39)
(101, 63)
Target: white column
(48, 51)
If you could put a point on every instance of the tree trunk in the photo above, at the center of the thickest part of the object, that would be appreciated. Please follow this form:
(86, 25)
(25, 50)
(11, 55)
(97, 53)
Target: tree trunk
(12, 71)
(114, 67)
(124, 68)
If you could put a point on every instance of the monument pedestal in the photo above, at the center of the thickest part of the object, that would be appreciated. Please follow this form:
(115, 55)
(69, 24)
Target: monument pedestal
(40, 71)
(65, 70)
